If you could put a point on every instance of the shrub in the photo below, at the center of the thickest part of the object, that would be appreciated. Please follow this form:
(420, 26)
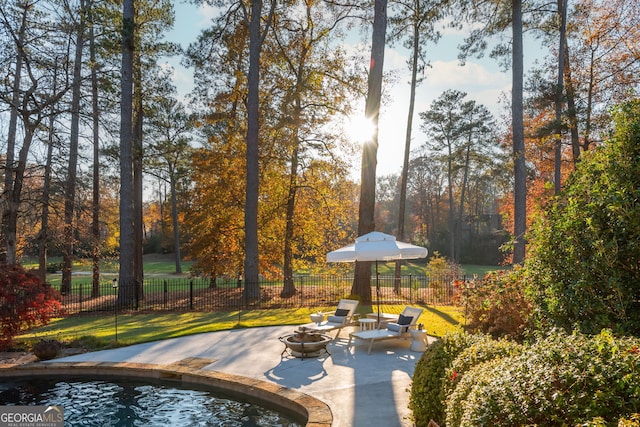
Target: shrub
(584, 256)
(561, 380)
(439, 266)
(497, 304)
(54, 267)
(430, 375)
(484, 350)
(24, 302)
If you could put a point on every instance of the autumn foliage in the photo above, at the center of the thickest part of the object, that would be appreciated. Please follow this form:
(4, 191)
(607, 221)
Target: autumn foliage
(25, 301)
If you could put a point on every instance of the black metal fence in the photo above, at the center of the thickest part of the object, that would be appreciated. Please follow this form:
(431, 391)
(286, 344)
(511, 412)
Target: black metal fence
(201, 294)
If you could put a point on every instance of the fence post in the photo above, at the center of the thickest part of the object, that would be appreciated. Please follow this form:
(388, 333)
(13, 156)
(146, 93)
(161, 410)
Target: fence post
(191, 294)
(301, 287)
(410, 288)
(166, 293)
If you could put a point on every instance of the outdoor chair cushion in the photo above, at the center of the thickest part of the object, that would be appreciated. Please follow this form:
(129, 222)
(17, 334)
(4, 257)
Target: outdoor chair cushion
(336, 319)
(342, 312)
(405, 320)
(395, 327)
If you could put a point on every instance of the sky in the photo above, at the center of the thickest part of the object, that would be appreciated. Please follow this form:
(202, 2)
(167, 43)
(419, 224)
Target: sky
(481, 79)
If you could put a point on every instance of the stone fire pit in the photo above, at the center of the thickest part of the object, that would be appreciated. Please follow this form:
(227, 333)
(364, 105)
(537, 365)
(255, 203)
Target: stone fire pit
(305, 343)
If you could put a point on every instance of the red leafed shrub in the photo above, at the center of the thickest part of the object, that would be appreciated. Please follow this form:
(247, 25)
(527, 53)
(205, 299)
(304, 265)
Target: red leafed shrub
(24, 302)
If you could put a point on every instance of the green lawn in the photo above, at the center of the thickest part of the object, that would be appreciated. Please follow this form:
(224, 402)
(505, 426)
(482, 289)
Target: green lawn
(98, 331)
(418, 268)
(480, 270)
(163, 265)
(155, 265)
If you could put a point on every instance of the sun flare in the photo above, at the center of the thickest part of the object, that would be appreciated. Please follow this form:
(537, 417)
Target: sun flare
(360, 129)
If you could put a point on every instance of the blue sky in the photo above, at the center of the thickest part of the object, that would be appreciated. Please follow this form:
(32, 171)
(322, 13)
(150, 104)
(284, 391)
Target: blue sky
(482, 79)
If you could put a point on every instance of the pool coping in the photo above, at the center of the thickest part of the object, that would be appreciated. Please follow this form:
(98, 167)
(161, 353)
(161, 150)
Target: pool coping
(189, 371)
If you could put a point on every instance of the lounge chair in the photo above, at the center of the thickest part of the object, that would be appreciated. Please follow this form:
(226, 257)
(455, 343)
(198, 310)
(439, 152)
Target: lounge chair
(337, 319)
(394, 330)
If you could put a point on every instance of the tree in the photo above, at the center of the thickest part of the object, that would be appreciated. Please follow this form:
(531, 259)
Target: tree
(427, 189)
(169, 151)
(599, 69)
(418, 18)
(304, 178)
(95, 115)
(583, 264)
(313, 80)
(126, 287)
(152, 18)
(444, 123)
(604, 63)
(496, 17)
(214, 218)
(35, 46)
(517, 130)
(366, 211)
(562, 11)
(70, 188)
(462, 129)
(43, 235)
(256, 37)
(251, 16)
(26, 302)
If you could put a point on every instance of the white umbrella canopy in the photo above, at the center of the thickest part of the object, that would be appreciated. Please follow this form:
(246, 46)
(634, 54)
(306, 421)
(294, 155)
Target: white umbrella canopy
(376, 246)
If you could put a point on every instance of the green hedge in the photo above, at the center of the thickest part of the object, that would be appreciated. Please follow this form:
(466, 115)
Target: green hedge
(430, 375)
(560, 380)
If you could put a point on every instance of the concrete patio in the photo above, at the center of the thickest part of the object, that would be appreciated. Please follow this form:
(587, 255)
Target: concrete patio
(359, 389)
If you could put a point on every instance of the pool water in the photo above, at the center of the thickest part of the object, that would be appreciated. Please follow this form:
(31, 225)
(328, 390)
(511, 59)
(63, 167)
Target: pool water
(126, 402)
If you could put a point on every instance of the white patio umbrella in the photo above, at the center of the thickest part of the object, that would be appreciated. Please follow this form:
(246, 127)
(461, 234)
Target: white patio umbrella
(377, 246)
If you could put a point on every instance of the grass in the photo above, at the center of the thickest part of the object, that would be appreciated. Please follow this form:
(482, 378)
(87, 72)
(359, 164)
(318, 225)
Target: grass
(418, 268)
(95, 332)
(480, 270)
(155, 265)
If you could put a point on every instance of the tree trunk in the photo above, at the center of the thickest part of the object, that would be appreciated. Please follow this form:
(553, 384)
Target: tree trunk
(126, 276)
(463, 193)
(289, 288)
(520, 169)
(562, 10)
(8, 255)
(407, 151)
(452, 210)
(70, 188)
(10, 215)
(95, 203)
(366, 212)
(43, 236)
(572, 113)
(590, 101)
(176, 224)
(251, 266)
(138, 113)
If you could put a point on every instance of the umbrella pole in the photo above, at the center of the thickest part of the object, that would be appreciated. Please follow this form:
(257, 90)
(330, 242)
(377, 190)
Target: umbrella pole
(378, 292)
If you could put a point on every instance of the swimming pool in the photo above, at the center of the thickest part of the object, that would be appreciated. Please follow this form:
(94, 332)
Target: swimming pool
(135, 402)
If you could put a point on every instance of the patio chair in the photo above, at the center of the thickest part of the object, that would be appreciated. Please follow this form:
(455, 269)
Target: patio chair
(336, 320)
(394, 330)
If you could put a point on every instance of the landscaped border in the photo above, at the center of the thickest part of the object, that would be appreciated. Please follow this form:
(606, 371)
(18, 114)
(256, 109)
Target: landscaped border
(189, 371)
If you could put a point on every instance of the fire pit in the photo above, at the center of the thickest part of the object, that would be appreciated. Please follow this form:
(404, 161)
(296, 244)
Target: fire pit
(305, 343)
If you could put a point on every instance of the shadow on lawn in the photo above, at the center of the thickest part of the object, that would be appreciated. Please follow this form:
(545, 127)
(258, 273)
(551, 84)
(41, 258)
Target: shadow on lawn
(444, 316)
